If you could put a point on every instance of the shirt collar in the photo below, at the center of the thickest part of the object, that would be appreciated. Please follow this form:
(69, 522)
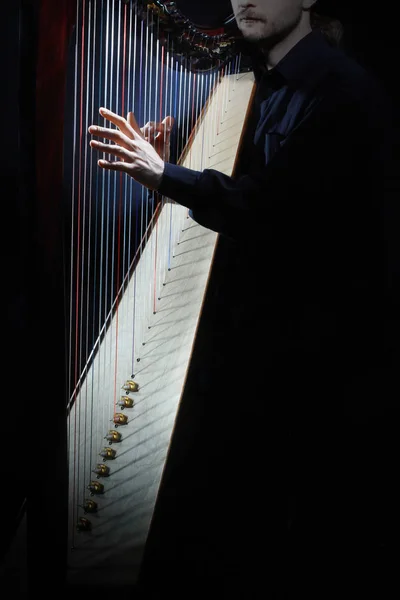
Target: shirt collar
(300, 63)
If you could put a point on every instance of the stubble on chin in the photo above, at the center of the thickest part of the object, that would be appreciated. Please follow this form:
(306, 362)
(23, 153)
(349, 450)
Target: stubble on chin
(255, 34)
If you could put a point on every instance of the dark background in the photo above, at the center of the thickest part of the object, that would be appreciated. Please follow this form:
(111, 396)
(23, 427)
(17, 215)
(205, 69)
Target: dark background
(32, 422)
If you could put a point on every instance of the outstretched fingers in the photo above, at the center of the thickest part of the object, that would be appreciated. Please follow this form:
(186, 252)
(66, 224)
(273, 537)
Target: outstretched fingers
(111, 149)
(128, 126)
(114, 165)
(118, 137)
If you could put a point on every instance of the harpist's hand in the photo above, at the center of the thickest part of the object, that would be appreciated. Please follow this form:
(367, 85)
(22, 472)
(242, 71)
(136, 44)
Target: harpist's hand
(159, 135)
(135, 156)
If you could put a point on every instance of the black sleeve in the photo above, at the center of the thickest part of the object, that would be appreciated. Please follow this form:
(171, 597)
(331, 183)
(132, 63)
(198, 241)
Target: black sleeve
(319, 153)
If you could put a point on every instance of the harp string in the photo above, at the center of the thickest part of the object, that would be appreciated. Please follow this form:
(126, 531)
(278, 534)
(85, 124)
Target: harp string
(132, 196)
(183, 109)
(120, 204)
(80, 248)
(153, 116)
(104, 195)
(97, 292)
(71, 438)
(164, 109)
(91, 249)
(110, 214)
(174, 112)
(103, 178)
(202, 90)
(160, 119)
(85, 261)
(78, 323)
(92, 255)
(146, 111)
(127, 79)
(197, 100)
(189, 92)
(194, 92)
(178, 115)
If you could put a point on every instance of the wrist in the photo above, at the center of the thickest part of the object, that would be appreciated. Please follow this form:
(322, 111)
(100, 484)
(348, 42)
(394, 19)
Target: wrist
(159, 176)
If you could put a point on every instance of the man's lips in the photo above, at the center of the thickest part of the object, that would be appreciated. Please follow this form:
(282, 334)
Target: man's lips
(249, 18)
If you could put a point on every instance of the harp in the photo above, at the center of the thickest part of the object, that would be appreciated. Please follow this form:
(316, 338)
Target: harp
(135, 266)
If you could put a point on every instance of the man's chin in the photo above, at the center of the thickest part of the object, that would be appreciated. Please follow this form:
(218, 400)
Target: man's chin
(252, 37)
(253, 34)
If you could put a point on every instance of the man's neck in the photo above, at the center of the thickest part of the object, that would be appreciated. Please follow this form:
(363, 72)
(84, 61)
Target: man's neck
(275, 54)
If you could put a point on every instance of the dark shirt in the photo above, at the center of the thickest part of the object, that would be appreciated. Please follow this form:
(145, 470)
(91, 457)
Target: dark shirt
(308, 219)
